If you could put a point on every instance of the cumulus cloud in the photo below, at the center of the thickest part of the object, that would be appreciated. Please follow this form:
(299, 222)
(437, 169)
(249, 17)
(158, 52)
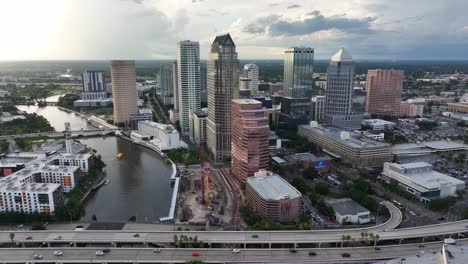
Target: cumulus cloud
(293, 6)
(276, 25)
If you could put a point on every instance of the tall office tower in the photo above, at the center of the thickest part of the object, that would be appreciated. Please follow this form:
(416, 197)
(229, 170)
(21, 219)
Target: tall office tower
(223, 86)
(188, 70)
(297, 85)
(339, 92)
(166, 84)
(317, 108)
(203, 72)
(383, 89)
(123, 76)
(94, 85)
(251, 72)
(250, 136)
(175, 85)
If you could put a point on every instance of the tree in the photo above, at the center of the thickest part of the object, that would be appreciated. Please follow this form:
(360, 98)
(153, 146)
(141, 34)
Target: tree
(376, 239)
(195, 261)
(38, 226)
(322, 188)
(310, 173)
(12, 238)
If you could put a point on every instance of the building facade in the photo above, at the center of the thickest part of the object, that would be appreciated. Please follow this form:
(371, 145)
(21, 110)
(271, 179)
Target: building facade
(411, 109)
(250, 138)
(383, 89)
(188, 71)
(250, 72)
(166, 83)
(317, 108)
(123, 74)
(273, 198)
(198, 126)
(298, 72)
(339, 92)
(223, 86)
(165, 137)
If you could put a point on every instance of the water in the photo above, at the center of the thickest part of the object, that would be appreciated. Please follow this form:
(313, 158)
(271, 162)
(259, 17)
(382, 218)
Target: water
(139, 182)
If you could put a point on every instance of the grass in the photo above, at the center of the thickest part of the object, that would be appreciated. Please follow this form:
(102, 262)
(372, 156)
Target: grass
(26, 144)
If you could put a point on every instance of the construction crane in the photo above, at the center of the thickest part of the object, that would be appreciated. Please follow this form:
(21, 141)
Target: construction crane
(202, 173)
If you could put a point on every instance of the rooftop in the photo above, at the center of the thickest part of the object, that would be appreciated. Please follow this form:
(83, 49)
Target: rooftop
(273, 187)
(306, 157)
(347, 206)
(246, 101)
(355, 140)
(342, 56)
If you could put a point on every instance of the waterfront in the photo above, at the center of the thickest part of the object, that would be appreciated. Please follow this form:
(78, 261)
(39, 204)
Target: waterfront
(140, 184)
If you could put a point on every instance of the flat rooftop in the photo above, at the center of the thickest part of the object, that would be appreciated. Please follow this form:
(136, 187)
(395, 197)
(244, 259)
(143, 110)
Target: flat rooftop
(273, 187)
(347, 206)
(427, 147)
(355, 140)
(306, 156)
(246, 101)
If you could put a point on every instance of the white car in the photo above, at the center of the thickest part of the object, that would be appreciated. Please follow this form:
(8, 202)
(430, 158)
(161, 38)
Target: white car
(99, 253)
(58, 253)
(235, 250)
(57, 237)
(156, 250)
(37, 256)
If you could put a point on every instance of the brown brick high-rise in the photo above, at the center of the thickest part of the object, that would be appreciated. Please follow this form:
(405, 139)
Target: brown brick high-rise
(384, 92)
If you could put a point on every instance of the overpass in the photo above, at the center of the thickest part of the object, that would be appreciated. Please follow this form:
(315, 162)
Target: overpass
(182, 255)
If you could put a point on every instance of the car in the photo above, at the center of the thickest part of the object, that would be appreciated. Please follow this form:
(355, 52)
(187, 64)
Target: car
(412, 213)
(28, 237)
(195, 254)
(156, 250)
(292, 250)
(106, 250)
(420, 245)
(58, 253)
(235, 250)
(377, 248)
(136, 235)
(346, 255)
(99, 253)
(254, 236)
(57, 237)
(20, 226)
(37, 256)
(312, 253)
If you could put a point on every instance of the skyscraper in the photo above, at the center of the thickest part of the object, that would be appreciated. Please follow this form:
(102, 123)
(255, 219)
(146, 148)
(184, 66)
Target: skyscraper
(339, 92)
(250, 71)
(175, 86)
(123, 76)
(297, 85)
(188, 70)
(166, 84)
(383, 89)
(94, 85)
(223, 86)
(250, 135)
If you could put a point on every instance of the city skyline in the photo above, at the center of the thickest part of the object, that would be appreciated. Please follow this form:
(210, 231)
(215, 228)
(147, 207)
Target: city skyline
(148, 29)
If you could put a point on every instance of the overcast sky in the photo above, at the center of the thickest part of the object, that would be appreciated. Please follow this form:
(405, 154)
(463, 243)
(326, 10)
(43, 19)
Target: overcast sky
(261, 29)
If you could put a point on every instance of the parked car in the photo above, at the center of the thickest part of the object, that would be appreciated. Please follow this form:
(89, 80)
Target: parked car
(312, 253)
(195, 254)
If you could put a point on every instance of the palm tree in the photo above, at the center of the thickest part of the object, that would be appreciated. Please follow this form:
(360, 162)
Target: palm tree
(176, 240)
(343, 238)
(12, 238)
(376, 238)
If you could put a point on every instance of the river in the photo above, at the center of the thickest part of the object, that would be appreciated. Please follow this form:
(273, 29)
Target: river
(139, 185)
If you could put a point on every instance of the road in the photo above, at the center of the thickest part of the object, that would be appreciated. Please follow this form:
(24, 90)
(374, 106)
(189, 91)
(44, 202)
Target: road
(147, 255)
(91, 132)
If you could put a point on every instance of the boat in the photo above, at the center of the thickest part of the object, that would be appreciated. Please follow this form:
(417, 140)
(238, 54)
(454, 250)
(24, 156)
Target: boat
(120, 155)
(107, 182)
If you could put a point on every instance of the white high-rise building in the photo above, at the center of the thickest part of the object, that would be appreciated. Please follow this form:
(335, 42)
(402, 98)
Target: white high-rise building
(339, 92)
(188, 71)
(251, 72)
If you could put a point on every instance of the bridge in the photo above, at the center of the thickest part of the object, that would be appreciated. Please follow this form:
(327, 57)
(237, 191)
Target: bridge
(85, 133)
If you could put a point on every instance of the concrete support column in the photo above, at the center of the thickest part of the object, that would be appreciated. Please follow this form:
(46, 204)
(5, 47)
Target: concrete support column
(269, 245)
(319, 245)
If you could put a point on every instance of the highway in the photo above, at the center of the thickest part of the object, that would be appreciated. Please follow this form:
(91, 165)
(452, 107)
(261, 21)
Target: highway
(90, 132)
(180, 255)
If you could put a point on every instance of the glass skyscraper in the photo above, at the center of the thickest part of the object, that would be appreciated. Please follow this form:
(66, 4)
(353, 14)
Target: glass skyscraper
(298, 72)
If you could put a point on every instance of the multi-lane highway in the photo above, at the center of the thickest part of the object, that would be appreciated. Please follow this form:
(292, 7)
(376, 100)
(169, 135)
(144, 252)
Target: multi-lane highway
(90, 132)
(149, 255)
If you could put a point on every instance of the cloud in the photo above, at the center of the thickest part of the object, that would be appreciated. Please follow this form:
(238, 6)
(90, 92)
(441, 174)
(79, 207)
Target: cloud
(275, 25)
(293, 6)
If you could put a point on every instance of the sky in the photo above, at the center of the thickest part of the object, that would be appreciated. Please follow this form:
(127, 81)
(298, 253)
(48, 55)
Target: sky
(261, 29)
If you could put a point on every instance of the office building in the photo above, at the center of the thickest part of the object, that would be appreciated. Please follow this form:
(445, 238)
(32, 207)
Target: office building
(378, 124)
(123, 76)
(165, 137)
(273, 198)
(410, 109)
(94, 85)
(297, 85)
(351, 147)
(308, 160)
(275, 88)
(298, 72)
(458, 107)
(188, 71)
(339, 92)
(250, 138)
(348, 211)
(383, 89)
(317, 109)
(223, 86)
(166, 83)
(419, 179)
(250, 72)
(203, 73)
(198, 126)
